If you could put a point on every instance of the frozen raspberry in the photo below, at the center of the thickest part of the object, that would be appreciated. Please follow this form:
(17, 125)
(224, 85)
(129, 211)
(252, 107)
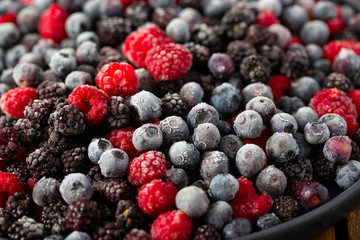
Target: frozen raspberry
(355, 97)
(8, 17)
(10, 184)
(168, 62)
(14, 101)
(92, 102)
(336, 101)
(122, 139)
(332, 48)
(247, 204)
(52, 23)
(261, 140)
(294, 40)
(266, 18)
(172, 225)
(118, 79)
(147, 167)
(337, 24)
(139, 42)
(157, 197)
(280, 86)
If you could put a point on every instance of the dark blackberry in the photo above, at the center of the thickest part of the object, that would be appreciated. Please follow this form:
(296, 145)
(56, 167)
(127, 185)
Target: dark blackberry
(119, 112)
(137, 234)
(9, 143)
(208, 83)
(75, 160)
(355, 151)
(19, 204)
(172, 104)
(7, 121)
(295, 63)
(43, 163)
(109, 58)
(58, 143)
(297, 169)
(258, 35)
(285, 207)
(68, 120)
(164, 87)
(83, 215)
(30, 132)
(206, 35)
(38, 111)
(255, 68)
(49, 90)
(26, 228)
(112, 31)
(129, 214)
(20, 170)
(324, 171)
(113, 189)
(138, 13)
(5, 222)
(274, 54)
(53, 217)
(207, 232)
(109, 231)
(162, 16)
(200, 53)
(356, 136)
(337, 80)
(95, 175)
(238, 50)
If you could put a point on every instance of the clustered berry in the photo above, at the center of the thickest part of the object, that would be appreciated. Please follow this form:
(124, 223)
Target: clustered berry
(129, 119)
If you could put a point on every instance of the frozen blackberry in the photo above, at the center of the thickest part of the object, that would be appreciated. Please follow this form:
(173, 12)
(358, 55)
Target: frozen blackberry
(355, 151)
(38, 111)
(172, 104)
(58, 142)
(113, 189)
(19, 204)
(50, 89)
(200, 53)
(137, 234)
(53, 217)
(206, 232)
(9, 143)
(43, 163)
(129, 214)
(208, 83)
(95, 175)
(295, 63)
(258, 35)
(112, 31)
(7, 121)
(75, 160)
(323, 170)
(238, 50)
(138, 13)
(82, 215)
(20, 170)
(274, 54)
(30, 132)
(162, 16)
(297, 169)
(286, 208)
(255, 68)
(119, 112)
(337, 80)
(109, 57)
(206, 35)
(164, 87)
(109, 230)
(68, 120)
(5, 222)
(26, 228)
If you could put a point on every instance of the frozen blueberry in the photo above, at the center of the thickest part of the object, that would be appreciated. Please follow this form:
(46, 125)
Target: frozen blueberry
(9, 35)
(77, 23)
(267, 221)
(87, 53)
(75, 186)
(4, 87)
(42, 5)
(87, 36)
(348, 174)
(147, 137)
(213, 163)
(271, 181)
(71, 5)
(174, 129)
(263, 105)
(114, 163)
(313, 195)
(145, 106)
(289, 104)
(323, 65)
(92, 8)
(161, 3)
(248, 124)
(236, 228)
(27, 74)
(184, 155)
(110, 8)
(282, 147)
(256, 89)
(191, 93)
(45, 190)
(223, 187)
(28, 19)
(316, 132)
(206, 136)
(294, 17)
(274, 5)
(77, 235)
(178, 30)
(13, 55)
(346, 62)
(250, 160)
(62, 62)
(304, 146)
(283, 122)
(230, 144)
(202, 113)
(338, 149)
(178, 177)
(305, 88)
(226, 99)
(314, 52)
(191, 16)
(219, 214)
(224, 128)
(193, 201)
(324, 10)
(221, 65)
(31, 58)
(315, 31)
(146, 81)
(77, 78)
(282, 35)
(97, 147)
(304, 115)
(215, 8)
(336, 124)
(54, 237)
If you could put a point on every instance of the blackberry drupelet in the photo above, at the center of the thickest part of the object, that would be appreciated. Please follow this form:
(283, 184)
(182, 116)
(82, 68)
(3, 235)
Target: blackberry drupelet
(138, 13)
(274, 54)
(43, 163)
(295, 63)
(53, 217)
(297, 169)
(95, 175)
(68, 120)
(162, 16)
(112, 31)
(208, 83)
(38, 111)
(119, 112)
(58, 143)
(49, 90)
(257, 35)
(26, 228)
(7, 121)
(137, 234)
(30, 132)
(238, 50)
(200, 53)
(113, 189)
(255, 68)
(207, 232)
(109, 231)
(129, 214)
(172, 104)
(164, 87)
(324, 170)
(5, 222)
(75, 160)
(285, 207)
(19, 204)
(337, 80)
(20, 170)
(206, 35)
(9, 143)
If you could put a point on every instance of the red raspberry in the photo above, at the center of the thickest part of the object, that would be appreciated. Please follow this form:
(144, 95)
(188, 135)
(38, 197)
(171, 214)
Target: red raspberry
(52, 23)
(147, 167)
(337, 24)
(355, 97)
(266, 18)
(261, 140)
(295, 187)
(139, 42)
(9, 184)
(294, 39)
(332, 48)
(168, 62)
(27, 2)
(118, 79)
(22, 154)
(92, 102)
(122, 139)
(336, 101)
(14, 101)
(8, 17)
(247, 204)
(280, 85)
(157, 197)
(172, 225)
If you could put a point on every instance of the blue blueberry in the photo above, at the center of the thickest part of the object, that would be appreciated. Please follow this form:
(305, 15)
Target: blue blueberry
(289, 104)
(283, 122)
(45, 190)
(282, 147)
(4, 88)
(336, 124)
(27, 74)
(294, 17)
(202, 113)
(87, 53)
(223, 187)
(178, 30)
(42, 5)
(146, 81)
(54, 237)
(221, 65)
(230, 144)
(92, 8)
(224, 128)
(41, 47)
(323, 65)
(147, 137)
(28, 19)
(77, 23)
(346, 62)
(263, 105)
(77, 235)
(193, 201)
(316, 132)
(219, 214)
(226, 99)
(13, 55)
(348, 174)
(213, 163)
(314, 52)
(256, 89)
(77, 78)
(145, 106)
(191, 93)
(63, 62)
(177, 176)
(248, 124)
(267, 221)
(250, 160)
(87, 36)
(191, 16)
(338, 149)
(313, 195)
(161, 3)
(216, 8)
(305, 88)
(184, 155)
(236, 228)
(174, 129)
(31, 57)
(324, 10)
(206, 136)
(9, 35)
(110, 8)
(97, 147)
(114, 163)
(75, 186)
(304, 115)
(304, 146)
(315, 31)
(271, 181)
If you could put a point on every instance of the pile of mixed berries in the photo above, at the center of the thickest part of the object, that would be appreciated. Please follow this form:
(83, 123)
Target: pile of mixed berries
(173, 119)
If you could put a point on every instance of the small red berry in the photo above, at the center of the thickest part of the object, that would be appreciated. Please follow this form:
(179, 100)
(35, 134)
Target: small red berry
(280, 86)
(9, 184)
(8, 17)
(122, 139)
(355, 97)
(332, 48)
(266, 18)
(337, 24)
(52, 23)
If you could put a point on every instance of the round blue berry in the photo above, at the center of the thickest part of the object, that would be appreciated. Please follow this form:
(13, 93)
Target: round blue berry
(77, 235)
(77, 78)
(193, 201)
(283, 122)
(27, 74)
(202, 113)
(9, 35)
(114, 163)
(315, 31)
(263, 105)
(77, 23)
(336, 124)
(282, 147)
(256, 89)
(223, 187)
(314, 52)
(75, 186)
(206, 136)
(191, 93)
(250, 160)
(219, 214)
(304, 115)
(178, 30)
(190, 16)
(45, 190)
(248, 124)
(177, 176)
(87, 53)
(305, 88)
(145, 106)
(146, 81)
(63, 62)
(221, 65)
(346, 62)
(267, 221)
(294, 17)
(184, 155)
(97, 147)
(147, 137)
(174, 129)
(237, 228)
(324, 10)
(348, 174)
(230, 144)
(213, 163)
(304, 146)
(316, 132)
(226, 99)
(271, 181)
